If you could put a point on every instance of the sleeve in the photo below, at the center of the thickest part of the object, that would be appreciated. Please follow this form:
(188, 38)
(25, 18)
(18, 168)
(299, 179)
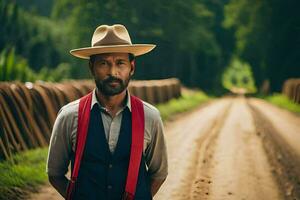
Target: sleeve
(156, 152)
(60, 146)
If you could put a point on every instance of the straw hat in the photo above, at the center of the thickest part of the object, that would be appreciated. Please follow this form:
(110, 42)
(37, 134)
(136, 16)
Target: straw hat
(112, 39)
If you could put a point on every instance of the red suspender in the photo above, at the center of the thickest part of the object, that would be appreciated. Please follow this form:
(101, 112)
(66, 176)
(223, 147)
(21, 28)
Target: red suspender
(137, 142)
(82, 128)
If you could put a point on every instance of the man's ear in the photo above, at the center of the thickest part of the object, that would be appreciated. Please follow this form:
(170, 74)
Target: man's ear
(132, 63)
(91, 67)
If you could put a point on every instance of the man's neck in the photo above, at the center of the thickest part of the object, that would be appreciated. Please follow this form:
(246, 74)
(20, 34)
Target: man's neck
(112, 103)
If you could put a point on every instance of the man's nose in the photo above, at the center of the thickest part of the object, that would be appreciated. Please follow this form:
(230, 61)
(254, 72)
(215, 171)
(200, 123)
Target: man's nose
(113, 69)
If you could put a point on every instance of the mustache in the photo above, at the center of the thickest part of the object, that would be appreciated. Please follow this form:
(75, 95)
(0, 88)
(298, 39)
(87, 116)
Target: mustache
(112, 79)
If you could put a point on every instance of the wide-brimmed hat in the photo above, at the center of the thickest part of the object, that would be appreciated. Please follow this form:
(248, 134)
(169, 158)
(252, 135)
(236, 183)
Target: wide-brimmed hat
(112, 39)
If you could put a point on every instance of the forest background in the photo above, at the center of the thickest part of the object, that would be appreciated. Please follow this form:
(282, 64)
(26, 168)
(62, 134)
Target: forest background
(208, 44)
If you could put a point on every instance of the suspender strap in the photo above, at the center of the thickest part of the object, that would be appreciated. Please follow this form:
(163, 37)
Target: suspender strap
(82, 129)
(137, 142)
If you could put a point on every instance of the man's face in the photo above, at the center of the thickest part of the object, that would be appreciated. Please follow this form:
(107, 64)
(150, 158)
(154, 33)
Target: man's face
(112, 72)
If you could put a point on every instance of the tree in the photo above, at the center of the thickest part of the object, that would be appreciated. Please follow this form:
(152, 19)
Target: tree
(183, 31)
(267, 34)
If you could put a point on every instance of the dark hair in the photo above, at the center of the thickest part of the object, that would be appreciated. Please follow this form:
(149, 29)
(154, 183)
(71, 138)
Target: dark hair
(131, 57)
(93, 57)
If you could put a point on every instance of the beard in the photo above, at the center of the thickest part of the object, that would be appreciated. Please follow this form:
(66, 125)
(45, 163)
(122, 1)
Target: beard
(106, 88)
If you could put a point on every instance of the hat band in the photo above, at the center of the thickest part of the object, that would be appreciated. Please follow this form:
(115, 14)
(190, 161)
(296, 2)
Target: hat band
(111, 44)
(111, 40)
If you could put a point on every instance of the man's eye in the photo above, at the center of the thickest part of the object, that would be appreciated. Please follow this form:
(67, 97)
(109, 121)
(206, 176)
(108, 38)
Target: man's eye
(102, 63)
(120, 63)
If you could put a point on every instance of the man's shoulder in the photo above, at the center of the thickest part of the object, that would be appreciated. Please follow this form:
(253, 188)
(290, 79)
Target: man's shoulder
(151, 112)
(70, 109)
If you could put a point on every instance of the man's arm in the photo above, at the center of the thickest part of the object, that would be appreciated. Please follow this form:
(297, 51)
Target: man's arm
(60, 183)
(155, 185)
(156, 151)
(60, 149)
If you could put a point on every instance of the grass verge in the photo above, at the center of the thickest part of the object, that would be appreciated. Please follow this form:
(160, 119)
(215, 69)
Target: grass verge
(187, 101)
(26, 170)
(23, 173)
(283, 102)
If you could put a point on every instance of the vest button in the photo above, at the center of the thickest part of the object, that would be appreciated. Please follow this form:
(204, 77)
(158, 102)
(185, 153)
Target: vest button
(109, 187)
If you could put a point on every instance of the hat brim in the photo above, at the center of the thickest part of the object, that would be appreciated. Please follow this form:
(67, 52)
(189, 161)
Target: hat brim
(136, 50)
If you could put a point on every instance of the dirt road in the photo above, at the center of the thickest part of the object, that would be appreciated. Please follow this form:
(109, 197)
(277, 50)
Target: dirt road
(233, 148)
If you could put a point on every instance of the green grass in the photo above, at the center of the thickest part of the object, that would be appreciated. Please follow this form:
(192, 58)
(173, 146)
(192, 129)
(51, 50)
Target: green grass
(24, 172)
(283, 102)
(187, 101)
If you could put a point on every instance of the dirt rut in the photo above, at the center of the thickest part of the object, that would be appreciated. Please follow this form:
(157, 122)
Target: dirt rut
(229, 156)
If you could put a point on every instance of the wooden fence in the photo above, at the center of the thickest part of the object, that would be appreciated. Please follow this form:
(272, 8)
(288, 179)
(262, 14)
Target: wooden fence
(28, 111)
(291, 88)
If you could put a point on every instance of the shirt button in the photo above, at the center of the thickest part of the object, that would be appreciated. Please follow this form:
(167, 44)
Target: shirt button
(110, 166)
(109, 187)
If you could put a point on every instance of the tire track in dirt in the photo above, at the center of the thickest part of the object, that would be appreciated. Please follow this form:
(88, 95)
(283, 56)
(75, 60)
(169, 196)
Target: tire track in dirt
(240, 168)
(184, 138)
(279, 135)
(200, 186)
(225, 160)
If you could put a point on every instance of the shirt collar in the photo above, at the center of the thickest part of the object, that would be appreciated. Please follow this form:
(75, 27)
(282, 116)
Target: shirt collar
(95, 101)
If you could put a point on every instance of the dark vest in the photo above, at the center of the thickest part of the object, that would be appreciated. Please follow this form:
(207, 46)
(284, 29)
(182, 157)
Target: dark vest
(102, 175)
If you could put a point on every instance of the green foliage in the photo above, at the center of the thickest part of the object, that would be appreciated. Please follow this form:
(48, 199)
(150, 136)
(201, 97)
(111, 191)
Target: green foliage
(38, 39)
(39, 7)
(187, 46)
(183, 31)
(266, 34)
(283, 102)
(26, 170)
(238, 75)
(13, 67)
(195, 39)
(62, 71)
(186, 102)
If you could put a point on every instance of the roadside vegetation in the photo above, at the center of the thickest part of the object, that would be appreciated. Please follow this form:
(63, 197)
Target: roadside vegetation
(23, 173)
(186, 102)
(283, 102)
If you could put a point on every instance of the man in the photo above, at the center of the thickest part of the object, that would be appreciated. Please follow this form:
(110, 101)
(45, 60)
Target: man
(110, 126)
